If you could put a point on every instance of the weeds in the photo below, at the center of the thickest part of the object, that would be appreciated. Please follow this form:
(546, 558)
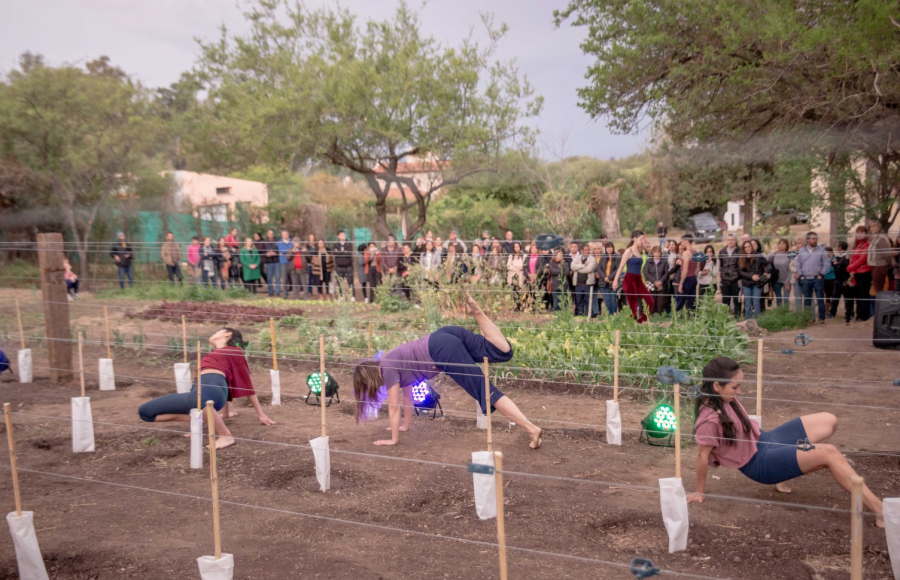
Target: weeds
(782, 318)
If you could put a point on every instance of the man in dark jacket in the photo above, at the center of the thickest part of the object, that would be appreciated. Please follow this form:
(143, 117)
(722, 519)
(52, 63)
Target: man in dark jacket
(728, 270)
(343, 263)
(270, 261)
(122, 253)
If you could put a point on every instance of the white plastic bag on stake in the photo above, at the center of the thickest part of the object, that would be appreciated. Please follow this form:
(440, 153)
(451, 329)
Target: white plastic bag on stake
(183, 377)
(756, 419)
(276, 387)
(322, 455)
(107, 375)
(28, 553)
(25, 372)
(196, 439)
(673, 502)
(212, 569)
(613, 423)
(892, 531)
(485, 487)
(480, 417)
(82, 425)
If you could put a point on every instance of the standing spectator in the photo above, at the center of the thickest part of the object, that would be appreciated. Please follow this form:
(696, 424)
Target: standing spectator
(496, 263)
(298, 269)
(122, 253)
(71, 281)
(260, 244)
(343, 263)
(597, 253)
(323, 267)
(767, 287)
(570, 284)
(285, 265)
(507, 243)
(208, 262)
(431, 262)
(661, 232)
(729, 276)
(361, 270)
(812, 265)
(403, 269)
(556, 271)
(829, 282)
(673, 260)
(860, 277)
(780, 270)
(752, 268)
(453, 266)
(708, 272)
(418, 250)
(373, 270)
(223, 263)
(607, 267)
(455, 241)
(250, 265)
(687, 286)
(795, 278)
(533, 272)
(308, 251)
(270, 259)
(171, 257)
(656, 272)
(880, 256)
(390, 256)
(193, 259)
(633, 285)
(233, 241)
(485, 239)
(839, 261)
(515, 266)
(583, 265)
(476, 270)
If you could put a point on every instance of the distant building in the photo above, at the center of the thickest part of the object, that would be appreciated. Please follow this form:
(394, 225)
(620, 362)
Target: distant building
(830, 223)
(218, 198)
(426, 172)
(734, 215)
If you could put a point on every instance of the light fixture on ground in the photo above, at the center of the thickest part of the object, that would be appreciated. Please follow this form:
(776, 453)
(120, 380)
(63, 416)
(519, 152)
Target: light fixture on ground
(426, 400)
(314, 383)
(659, 425)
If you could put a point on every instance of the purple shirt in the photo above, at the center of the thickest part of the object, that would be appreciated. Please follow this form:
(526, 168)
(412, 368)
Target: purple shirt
(408, 364)
(708, 432)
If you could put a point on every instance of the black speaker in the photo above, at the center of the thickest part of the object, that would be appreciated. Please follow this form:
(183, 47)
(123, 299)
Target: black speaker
(886, 329)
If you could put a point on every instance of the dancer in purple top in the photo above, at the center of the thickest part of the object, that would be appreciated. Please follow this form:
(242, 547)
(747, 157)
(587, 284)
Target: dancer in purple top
(452, 350)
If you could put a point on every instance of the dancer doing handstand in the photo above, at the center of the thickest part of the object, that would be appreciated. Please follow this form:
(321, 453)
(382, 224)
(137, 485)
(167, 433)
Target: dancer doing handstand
(223, 370)
(452, 350)
(726, 436)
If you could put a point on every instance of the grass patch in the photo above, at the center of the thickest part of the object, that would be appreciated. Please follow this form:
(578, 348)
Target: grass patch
(783, 318)
(172, 293)
(20, 274)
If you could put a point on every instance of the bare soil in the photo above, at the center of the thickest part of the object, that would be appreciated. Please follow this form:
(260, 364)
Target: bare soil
(93, 530)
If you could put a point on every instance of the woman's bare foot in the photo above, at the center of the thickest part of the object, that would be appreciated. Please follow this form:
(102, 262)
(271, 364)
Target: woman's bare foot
(782, 488)
(472, 307)
(879, 522)
(223, 442)
(536, 440)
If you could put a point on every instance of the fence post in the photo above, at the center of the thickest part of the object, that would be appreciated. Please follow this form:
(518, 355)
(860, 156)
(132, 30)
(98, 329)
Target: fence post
(56, 306)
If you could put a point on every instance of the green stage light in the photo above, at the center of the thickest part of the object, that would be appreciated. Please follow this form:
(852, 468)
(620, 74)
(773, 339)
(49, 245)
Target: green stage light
(660, 423)
(314, 383)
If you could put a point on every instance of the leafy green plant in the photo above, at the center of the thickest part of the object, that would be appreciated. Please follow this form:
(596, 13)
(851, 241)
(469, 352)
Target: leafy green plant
(172, 293)
(387, 297)
(782, 318)
(149, 441)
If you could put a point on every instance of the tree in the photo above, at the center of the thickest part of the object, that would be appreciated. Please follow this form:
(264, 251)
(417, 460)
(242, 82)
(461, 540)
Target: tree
(84, 134)
(771, 77)
(313, 85)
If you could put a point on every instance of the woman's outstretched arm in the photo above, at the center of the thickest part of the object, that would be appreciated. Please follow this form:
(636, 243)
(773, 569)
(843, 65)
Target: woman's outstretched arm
(702, 467)
(394, 414)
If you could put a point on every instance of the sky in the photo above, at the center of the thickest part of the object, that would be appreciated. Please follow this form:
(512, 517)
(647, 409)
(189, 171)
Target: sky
(156, 41)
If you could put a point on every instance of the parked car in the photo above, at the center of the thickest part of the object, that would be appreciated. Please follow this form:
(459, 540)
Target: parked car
(794, 216)
(704, 227)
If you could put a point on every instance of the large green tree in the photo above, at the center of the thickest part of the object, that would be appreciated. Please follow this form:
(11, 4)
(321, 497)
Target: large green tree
(306, 86)
(81, 137)
(764, 77)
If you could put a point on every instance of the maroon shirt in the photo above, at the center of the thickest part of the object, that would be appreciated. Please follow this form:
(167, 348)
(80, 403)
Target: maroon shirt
(231, 361)
(708, 432)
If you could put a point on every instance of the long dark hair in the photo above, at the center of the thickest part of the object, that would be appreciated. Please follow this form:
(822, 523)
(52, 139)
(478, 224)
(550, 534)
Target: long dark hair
(366, 382)
(634, 236)
(720, 370)
(236, 338)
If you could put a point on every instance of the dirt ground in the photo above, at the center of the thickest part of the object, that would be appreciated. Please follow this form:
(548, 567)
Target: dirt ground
(92, 530)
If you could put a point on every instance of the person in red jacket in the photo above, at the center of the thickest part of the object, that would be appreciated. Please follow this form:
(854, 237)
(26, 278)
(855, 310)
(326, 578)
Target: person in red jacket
(860, 279)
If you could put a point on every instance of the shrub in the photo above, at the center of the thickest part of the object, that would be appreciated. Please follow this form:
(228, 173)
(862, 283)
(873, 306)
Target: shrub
(782, 318)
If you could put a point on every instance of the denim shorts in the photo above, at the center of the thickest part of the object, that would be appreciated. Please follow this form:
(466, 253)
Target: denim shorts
(775, 460)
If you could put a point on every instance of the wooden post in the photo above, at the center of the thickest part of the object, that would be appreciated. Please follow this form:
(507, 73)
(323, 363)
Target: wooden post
(21, 331)
(199, 404)
(590, 303)
(677, 430)
(759, 370)
(184, 337)
(81, 364)
(322, 381)
(274, 351)
(856, 525)
(213, 477)
(106, 320)
(369, 344)
(56, 306)
(501, 526)
(13, 458)
(487, 402)
(616, 369)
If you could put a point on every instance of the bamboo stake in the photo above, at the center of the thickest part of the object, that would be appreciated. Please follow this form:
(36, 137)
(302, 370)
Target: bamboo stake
(13, 458)
(616, 369)
(487, 403)
(369, 345)
(759, 371)
(81, 364)
(106, 320)
(322, 381)
(21, 331)
(184, 337)
(590, 303)
(274, 351)
(501, 526)
(213, 477)
(199, 404)
(856, 525)
(677, 430)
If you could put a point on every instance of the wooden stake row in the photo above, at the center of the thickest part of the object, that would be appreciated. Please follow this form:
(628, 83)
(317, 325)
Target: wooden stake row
(21, 331)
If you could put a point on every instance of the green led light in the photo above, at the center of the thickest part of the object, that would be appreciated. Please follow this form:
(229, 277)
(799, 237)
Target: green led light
(660, 422)
(314, 382)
